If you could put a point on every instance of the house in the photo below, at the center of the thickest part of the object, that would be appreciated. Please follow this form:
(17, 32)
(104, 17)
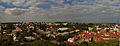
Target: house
(77, 30)
(30, 27)
(51, 35)
(17, 29)
(57, 24)
(29, 38)
(15, 38)
(64, 23)
(64, 28)
(71, 31)
(63, 34)
(90, 28)
(71, 40)
(5, 36)
(102, 36)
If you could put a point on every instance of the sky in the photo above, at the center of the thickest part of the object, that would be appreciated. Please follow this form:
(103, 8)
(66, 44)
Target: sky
(82, 11)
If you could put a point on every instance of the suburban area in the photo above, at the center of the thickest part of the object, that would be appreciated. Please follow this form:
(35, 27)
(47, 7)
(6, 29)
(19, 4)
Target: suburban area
(59, 34)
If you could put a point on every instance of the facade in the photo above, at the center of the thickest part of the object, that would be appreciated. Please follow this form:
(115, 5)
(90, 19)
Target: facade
(71, 40)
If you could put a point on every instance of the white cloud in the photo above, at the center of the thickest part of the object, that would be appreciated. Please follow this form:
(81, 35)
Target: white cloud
(45, 2)
(2, 9)
(88, 14)
(23, 3)
(15, 11)
(101, 11)
(69, 13)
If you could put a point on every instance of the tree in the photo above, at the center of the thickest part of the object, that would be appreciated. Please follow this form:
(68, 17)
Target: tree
(21, 38)
(62, 39)
(6, 42)
(84, 44)
(100, 43)
(9, 30)
(93, 44)
(64, 44)
(39, 43)
(112, 43)
(109, 43)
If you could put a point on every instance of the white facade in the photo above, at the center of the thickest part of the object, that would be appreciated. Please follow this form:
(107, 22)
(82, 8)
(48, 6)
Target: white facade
(63, 29)
(71, 40)
(90, 28)
(15, 38)
(30, 38)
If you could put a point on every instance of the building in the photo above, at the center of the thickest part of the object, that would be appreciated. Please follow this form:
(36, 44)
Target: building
(62, 29)
(29, 38)
(101, 36)
(71, 39)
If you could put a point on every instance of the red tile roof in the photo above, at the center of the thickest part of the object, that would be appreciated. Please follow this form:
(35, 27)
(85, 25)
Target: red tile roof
(98, 36)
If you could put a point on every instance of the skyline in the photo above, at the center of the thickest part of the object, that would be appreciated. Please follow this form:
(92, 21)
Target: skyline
(83, 11)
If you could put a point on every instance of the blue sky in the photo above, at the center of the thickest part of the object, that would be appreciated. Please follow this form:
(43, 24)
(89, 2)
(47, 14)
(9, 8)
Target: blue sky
(70, 2)
(6, 5)
(86, 11)
(88, 2)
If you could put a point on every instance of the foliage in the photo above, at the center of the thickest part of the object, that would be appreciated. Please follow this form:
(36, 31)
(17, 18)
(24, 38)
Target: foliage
(62, 39)
(84, 44)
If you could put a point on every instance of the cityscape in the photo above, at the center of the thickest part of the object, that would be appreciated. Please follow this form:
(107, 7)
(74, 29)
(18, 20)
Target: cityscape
(59, 22)
(59, 34)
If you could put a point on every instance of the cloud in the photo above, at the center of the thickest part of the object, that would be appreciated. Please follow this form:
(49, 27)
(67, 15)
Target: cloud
(2, 9)
(1, 13)
(101, 11)
(94, 14)
(76, 13)
(32, 3)
(106, 2)
(25, 3)
(15, 11)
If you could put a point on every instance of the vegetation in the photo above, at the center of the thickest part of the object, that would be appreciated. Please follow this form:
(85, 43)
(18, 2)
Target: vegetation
(8, 42)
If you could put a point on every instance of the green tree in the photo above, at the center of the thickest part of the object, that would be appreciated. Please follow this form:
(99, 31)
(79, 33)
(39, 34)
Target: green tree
(112, 43)
(93, 44)
(100, 43)
(62, 39)
(6, 42)
(84, 44)
(9, 30)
